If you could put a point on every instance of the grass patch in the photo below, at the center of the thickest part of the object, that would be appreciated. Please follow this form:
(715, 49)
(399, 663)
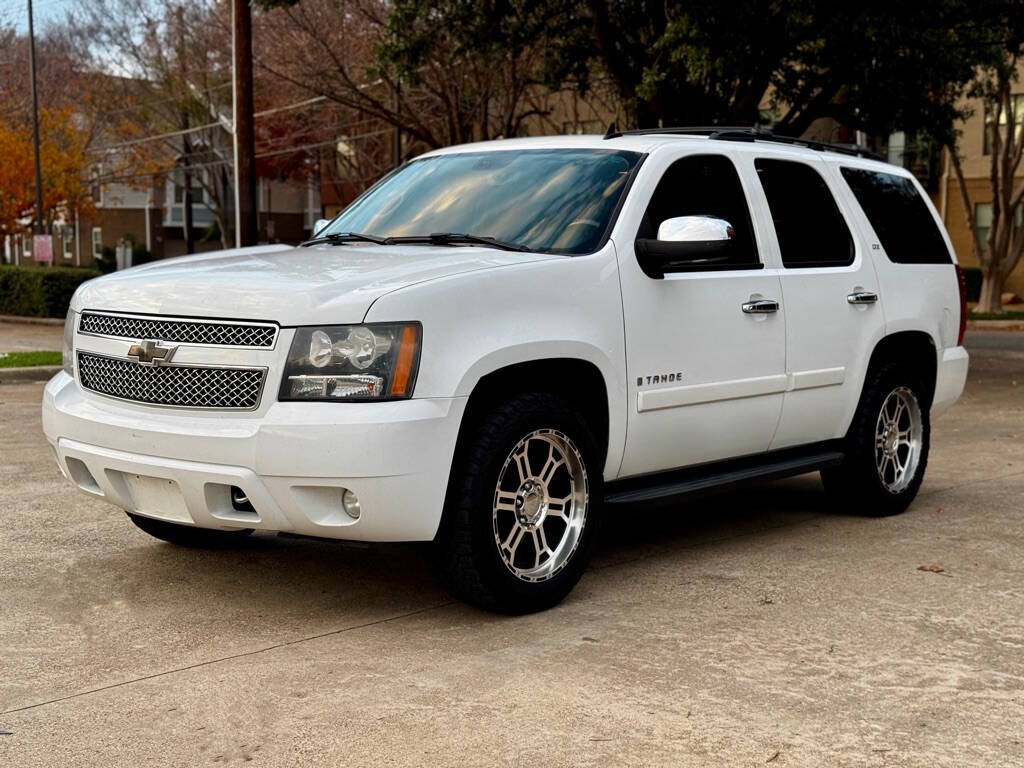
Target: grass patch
(995, 316)
(25, 359)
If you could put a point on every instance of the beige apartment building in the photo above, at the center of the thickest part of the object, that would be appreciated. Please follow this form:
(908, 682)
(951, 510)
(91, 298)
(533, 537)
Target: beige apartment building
(976, 160)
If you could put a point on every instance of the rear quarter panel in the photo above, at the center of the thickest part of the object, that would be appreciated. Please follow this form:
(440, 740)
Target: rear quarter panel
(914, 297)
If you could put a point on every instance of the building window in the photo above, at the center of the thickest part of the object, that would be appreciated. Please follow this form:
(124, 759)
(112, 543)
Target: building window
(97, 242)
(983, 222)
(68, 240)
(198, 196)
(1017, 105)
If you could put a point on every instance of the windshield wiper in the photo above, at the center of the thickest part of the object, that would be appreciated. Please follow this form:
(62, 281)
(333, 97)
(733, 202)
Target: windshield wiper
(347, 237)
(455, 238)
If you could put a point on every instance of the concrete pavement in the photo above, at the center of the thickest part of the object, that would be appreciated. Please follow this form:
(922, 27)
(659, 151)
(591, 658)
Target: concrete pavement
(750, 628)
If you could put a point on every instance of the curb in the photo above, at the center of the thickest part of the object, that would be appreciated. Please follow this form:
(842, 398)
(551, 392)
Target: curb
(31, 320)
(29, 373)
(995, 325)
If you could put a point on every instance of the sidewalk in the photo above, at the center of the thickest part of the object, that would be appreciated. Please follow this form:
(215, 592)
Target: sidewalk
(26, 337)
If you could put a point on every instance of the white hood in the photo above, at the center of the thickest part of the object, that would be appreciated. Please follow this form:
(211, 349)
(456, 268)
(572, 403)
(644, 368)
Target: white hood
(292, 286)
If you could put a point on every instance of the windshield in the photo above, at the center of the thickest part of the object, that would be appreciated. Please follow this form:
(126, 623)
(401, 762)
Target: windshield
(548, 200)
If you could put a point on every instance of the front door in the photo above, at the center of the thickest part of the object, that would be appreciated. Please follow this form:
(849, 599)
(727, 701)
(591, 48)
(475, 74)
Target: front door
(705, 353)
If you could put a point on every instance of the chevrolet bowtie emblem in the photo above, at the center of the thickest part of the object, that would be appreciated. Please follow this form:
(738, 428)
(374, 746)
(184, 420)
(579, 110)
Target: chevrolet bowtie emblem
(151, 352)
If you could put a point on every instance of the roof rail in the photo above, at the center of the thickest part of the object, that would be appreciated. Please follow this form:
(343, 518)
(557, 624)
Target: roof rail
(748, 133)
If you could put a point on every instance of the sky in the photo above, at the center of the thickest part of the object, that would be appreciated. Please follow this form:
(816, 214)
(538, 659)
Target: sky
(15, 12)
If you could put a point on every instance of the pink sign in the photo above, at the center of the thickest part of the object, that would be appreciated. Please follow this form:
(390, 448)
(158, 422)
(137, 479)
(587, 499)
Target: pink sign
(42, 248)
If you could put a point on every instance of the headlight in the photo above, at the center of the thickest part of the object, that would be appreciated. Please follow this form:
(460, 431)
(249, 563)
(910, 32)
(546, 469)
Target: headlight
(352, 362)
(68, 349)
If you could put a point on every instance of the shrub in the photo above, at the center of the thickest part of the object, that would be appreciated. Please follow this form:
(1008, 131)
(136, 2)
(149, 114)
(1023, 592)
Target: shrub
(39, 291)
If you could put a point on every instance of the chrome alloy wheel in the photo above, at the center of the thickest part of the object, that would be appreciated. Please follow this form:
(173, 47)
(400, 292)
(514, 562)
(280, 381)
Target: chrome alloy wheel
(898, 439)
(540, 505)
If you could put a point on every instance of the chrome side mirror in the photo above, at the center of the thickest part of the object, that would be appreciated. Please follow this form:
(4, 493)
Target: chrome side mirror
(319, 226)
(695, 229)
(686, 244)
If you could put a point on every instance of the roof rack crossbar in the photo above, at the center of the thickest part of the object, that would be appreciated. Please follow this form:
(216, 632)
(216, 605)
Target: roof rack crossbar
(749, 133)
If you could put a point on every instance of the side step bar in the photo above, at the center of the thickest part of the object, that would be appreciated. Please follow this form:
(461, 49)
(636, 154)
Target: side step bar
(670, 485)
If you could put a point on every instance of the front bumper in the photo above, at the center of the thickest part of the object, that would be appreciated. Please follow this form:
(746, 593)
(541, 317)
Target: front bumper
(292, 460)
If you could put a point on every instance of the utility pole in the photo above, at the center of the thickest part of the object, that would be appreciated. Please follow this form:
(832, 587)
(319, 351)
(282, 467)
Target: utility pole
(186, 141)
(35, 120)
(396, 137)
(246, 224)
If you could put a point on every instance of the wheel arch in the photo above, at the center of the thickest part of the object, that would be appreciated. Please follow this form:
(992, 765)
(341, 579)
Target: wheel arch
(914, 347)
(577, 379)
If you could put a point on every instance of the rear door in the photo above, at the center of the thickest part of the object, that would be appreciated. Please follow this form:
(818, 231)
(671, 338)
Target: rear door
(830, 291)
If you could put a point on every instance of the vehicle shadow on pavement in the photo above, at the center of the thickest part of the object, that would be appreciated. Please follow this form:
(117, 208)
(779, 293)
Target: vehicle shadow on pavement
(291, 574)
(634, 532)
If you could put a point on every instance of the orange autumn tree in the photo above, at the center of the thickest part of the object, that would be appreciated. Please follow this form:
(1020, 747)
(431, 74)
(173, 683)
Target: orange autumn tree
(16, 185)
(63, 163)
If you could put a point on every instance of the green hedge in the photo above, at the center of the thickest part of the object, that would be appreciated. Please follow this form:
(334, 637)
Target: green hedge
(39, 291)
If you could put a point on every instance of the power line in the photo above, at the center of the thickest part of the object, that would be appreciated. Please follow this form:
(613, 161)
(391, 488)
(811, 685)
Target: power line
(113, 179)
(144, 139)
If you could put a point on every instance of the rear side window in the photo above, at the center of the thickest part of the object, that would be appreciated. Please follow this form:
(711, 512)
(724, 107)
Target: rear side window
(810, 229)
(899, 216)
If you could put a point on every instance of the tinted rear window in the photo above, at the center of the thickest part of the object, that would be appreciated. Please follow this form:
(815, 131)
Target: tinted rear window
(900, 217)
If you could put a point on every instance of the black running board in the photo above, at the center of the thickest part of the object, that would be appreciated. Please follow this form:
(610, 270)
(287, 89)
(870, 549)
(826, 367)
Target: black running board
(710, 477)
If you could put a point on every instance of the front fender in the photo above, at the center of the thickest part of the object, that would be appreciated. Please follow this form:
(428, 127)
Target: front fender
(479, 322)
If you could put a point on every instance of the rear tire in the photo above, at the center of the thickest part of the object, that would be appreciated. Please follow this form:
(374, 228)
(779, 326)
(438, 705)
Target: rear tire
(188, 535)
(886, 447)
(523, 506)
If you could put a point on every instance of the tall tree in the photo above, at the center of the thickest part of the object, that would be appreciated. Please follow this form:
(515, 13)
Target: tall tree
(442, 72)
(177, 61)
(784, 63)
(995, 86)
(62, 157)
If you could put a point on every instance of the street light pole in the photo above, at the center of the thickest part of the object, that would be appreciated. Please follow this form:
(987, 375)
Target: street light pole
(35, 120)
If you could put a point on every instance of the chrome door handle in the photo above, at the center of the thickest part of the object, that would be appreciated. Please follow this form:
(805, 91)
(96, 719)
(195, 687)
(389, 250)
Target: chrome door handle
(760, 306)
(862, 297)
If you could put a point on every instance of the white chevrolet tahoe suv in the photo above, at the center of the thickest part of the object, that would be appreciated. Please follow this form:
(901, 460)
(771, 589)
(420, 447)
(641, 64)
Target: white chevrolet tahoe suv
(500, 343)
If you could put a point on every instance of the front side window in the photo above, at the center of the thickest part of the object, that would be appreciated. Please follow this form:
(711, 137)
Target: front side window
(899, 215)
(808, 224)
(549, 201)
(704, 185)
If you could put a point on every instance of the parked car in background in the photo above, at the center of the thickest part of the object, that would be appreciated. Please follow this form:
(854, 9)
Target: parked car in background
(501, 347)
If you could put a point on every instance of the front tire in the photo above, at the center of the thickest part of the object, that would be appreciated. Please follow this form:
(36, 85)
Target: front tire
(523, 506)
(189, 536)
(886, 447)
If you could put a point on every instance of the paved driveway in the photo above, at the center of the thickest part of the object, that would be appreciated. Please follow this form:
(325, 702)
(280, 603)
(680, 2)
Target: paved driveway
(27, 337)
(752, 628)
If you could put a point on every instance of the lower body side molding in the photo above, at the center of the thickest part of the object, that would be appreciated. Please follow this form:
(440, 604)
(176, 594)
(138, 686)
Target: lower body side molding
(705, 478)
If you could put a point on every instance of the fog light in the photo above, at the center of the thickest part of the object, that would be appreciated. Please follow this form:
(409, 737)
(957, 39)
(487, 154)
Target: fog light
(351, 504)
(240, 501)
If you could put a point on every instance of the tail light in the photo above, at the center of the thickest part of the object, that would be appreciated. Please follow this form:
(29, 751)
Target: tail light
(963, 304)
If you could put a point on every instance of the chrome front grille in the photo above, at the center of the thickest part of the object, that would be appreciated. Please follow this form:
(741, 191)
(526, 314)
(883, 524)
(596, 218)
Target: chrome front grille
(183, 386)
(228, 334)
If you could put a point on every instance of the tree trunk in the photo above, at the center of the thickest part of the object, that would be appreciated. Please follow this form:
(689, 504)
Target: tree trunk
(991, 289)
